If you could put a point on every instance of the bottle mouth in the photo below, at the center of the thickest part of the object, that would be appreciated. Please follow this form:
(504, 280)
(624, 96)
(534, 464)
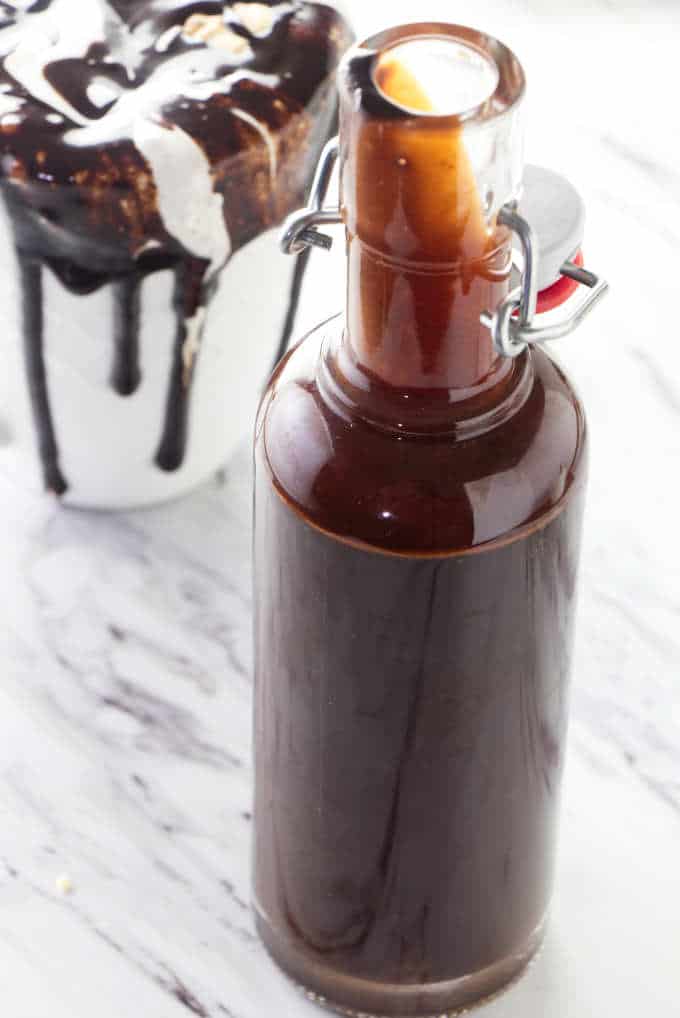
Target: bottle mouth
(433, 71)
(435, 75)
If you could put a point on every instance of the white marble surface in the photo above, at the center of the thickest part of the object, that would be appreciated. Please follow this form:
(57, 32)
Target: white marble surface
(125, 640)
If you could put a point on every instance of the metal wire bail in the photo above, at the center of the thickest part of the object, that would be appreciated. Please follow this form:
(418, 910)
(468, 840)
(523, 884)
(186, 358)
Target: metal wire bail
(299, 230)
(512, 324)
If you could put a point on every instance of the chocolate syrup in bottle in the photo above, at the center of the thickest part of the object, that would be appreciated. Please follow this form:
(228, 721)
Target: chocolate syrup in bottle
(418, 516)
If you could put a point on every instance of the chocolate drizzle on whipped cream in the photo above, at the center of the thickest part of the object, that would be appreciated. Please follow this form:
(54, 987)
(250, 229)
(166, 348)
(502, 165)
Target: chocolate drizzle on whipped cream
(141, 135)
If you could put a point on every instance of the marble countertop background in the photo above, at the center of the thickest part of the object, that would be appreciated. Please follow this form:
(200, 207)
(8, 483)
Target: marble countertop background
(125, 640)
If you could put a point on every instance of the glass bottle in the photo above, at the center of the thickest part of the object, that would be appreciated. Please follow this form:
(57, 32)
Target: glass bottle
(419, 504)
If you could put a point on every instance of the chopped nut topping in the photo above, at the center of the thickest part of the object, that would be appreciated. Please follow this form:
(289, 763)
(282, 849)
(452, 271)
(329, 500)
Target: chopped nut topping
(257, 18)
(211, 29)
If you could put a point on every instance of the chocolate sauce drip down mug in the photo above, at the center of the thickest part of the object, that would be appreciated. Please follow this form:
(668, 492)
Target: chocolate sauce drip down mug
(148, 152)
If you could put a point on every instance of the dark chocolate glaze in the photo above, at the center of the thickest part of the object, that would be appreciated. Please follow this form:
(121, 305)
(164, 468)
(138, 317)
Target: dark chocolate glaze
(125, 372)
(90, 212)
(30, 272)
(187, 300)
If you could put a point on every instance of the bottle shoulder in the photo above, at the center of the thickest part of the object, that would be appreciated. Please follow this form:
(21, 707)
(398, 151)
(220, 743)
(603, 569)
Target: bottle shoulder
(419, 493)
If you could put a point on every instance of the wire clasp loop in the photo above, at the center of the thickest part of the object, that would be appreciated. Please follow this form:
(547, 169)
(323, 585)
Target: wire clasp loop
(512, 325)
(300, 229)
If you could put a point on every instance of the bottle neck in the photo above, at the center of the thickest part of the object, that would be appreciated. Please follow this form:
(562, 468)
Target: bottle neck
(414, 356)
(421, 187)
(426, 257)
(417, 325)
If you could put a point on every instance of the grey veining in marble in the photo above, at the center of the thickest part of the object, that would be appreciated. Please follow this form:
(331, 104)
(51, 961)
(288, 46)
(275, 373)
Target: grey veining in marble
(126, 653)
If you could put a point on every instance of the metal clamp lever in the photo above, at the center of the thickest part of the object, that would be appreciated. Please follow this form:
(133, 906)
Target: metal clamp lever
(512, 325)
(299, 230)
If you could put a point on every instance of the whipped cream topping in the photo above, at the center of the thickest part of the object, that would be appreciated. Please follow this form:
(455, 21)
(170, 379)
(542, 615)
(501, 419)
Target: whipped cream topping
(64, 31)
(118, 71)
(191, 210)
(141, 135)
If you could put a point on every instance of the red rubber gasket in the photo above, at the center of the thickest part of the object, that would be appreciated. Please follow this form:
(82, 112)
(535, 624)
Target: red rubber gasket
(560, 291)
